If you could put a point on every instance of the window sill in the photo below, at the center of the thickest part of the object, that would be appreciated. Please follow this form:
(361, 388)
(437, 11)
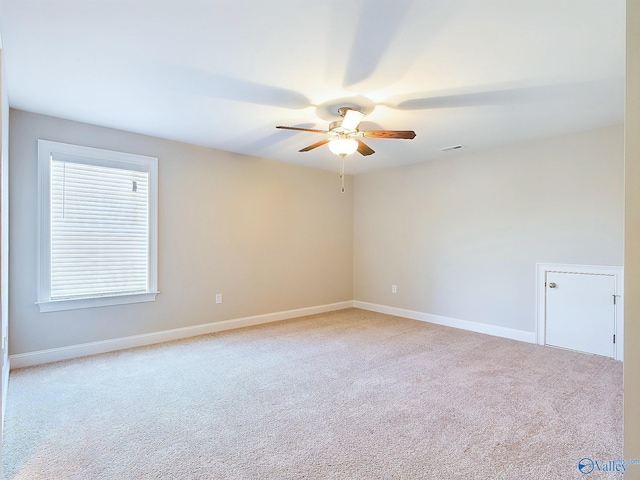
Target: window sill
(60, 305)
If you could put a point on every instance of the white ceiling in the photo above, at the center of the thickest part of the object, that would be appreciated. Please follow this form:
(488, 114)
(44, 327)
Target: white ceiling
(224, 73)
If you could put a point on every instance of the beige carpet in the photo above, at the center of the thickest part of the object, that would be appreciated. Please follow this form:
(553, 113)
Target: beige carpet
(343, 395)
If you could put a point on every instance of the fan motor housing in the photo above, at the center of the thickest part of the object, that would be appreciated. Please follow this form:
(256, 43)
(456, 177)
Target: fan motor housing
(336, 127)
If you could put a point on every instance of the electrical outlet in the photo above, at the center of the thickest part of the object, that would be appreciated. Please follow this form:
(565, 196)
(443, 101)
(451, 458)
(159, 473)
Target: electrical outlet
(218, 298)
(394, 289)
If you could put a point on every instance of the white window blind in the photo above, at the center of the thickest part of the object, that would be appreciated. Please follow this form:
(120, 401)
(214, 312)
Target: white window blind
(99, 230)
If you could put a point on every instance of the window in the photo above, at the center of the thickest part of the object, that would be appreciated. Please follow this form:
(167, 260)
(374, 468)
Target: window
(98, 227)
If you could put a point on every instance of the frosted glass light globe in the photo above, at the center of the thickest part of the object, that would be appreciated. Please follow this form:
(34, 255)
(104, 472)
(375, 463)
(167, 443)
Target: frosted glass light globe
(343, 146)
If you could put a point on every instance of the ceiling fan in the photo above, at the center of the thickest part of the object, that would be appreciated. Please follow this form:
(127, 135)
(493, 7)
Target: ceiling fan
(344, 136)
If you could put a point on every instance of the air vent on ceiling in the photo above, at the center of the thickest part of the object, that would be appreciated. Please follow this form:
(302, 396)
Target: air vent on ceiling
(452, 147)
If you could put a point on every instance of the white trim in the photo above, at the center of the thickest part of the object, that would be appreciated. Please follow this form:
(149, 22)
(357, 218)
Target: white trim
(74, 351)
(5, 387)
(495, 330)
(59, 305)
(94, 156)
(616, 271)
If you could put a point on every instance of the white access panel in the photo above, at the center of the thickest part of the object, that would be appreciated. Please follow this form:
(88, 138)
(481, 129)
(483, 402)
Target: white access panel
(580, 312)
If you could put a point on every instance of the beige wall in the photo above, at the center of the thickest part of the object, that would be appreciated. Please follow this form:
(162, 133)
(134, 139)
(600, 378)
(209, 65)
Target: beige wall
(461, 236)
(632, 242)
(267, 235)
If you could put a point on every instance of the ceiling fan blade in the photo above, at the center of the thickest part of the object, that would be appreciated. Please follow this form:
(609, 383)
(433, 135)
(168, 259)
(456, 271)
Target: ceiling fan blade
(313, 130)
(352, 119)
(364, 149)
(315, 145)
(406, 134)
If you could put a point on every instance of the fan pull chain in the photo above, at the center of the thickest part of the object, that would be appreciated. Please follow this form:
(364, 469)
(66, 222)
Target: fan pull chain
(342, 173)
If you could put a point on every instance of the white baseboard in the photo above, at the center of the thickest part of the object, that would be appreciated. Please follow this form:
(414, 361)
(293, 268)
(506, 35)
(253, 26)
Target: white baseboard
(495, 330)
(5, 386)
(82, 350)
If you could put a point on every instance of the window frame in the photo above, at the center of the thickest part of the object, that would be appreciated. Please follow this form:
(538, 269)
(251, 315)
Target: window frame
(95, 156)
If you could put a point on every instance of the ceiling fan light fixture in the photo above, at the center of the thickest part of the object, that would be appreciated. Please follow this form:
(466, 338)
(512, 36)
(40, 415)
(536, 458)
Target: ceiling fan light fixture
(343, 146)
